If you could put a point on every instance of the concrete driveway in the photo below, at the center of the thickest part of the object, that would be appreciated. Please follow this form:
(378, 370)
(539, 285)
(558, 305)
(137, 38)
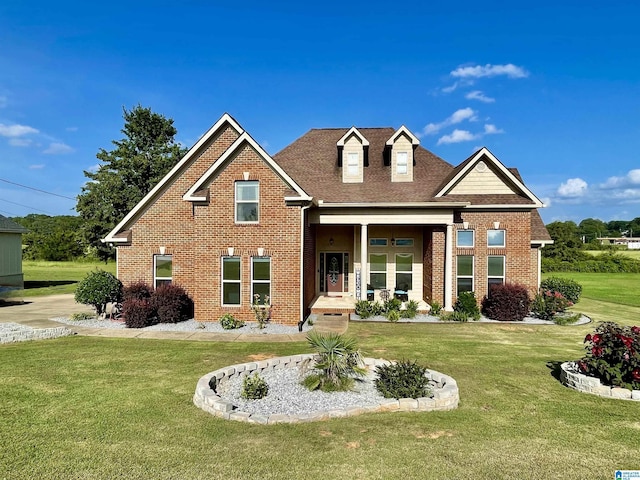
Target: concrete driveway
(36, 311)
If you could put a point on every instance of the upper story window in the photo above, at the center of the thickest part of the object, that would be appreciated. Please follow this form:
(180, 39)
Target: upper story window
(162, 269)
(465, 239)
(353, 163)
(247, 201)
(496, 238)
(402, 165)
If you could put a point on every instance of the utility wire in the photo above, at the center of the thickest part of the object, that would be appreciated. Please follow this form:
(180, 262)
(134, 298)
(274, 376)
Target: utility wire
(36, 189)
(27, 206)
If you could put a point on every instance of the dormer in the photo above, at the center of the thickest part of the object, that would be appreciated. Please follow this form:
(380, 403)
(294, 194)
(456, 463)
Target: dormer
(353, 151)
(401, 146)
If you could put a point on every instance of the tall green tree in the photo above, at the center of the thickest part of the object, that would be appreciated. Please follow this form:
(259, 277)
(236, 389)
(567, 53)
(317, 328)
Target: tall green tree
(127, 173)
(52, 238)
(567, 245)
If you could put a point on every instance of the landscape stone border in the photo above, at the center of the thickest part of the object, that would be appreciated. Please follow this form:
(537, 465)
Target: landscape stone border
(445, 394)
(15, 332)
(571, 377)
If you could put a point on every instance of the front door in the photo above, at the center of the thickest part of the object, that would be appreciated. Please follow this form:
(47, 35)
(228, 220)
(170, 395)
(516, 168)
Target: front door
(335, 272)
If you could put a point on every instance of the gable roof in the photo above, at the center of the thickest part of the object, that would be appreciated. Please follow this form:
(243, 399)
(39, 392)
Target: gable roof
(400, 131)
(115, 235)
(352, 131)
(511, 176)
(312, 161)
(9, 226)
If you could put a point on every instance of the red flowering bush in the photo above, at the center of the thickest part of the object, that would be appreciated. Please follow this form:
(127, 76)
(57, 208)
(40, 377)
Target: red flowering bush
(613, 355)
(548, 303)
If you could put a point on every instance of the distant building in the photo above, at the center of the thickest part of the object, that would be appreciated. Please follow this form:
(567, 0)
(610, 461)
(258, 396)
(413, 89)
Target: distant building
(632, 243)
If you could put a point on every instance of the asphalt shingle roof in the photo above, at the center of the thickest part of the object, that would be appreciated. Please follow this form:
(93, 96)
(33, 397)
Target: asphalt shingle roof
(9, 226)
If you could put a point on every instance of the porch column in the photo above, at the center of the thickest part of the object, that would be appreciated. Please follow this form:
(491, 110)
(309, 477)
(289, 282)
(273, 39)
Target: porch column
(364, 242)
(448, 269)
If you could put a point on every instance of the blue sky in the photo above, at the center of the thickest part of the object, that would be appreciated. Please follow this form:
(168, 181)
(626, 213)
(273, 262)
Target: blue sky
(552, 88)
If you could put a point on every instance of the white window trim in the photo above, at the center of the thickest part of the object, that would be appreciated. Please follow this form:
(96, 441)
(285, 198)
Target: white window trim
(253, 281)
(236, 201)
(385, 271)
(504, 237)
(405, 163)
(472, 276)
(504, 269)
(351, 156)
(403, 272)
(155, 269)
(223, 281)
(473, 238)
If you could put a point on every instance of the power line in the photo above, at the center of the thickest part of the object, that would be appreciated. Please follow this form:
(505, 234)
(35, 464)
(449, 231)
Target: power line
(36, 189)
(27, 206)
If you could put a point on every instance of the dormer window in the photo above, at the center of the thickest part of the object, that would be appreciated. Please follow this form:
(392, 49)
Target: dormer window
(352, 155)
(353, 164)
(401, 148)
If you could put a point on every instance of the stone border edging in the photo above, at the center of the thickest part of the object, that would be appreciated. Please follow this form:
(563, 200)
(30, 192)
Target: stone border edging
(27, 333)
(445, 395)
(570, 377)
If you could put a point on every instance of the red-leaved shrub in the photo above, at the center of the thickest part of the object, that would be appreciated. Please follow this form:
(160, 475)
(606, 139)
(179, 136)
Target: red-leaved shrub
(138, 313)
(506, 302)
(172, 304)
(139, 290)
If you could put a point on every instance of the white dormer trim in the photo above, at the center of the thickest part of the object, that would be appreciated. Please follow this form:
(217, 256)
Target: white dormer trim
(484, 152)
(407, 132)
(219, 164)
(169, 177)
(352, 131)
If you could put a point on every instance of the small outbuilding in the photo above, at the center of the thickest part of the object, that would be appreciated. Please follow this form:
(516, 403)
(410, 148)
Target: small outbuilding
(11, 253)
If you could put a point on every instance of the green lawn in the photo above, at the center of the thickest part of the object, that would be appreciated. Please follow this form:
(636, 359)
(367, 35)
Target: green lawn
(50, 278)
(618, 288)
(629, 253)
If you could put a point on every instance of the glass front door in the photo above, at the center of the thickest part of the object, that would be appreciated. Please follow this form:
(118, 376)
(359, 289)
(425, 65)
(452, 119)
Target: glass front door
(334, 268)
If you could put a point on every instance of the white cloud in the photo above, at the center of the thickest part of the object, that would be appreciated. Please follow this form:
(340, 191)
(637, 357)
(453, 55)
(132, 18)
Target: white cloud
(480, 96)
(457, 136)
(58, 148)
(478, 71)
(16, 130)
(94, 168)
(490, 129)
(546, 201)
(36, 167)
(450, 88)
(573, 188)
(631, 178)
(20, 142)
(457, 117)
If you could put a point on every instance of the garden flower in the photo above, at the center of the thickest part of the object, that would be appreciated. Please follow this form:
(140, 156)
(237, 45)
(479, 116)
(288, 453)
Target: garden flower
(635, 330)
(596, 351)
(587, 338)
(628, 341)
(596, 338)
(636, 374)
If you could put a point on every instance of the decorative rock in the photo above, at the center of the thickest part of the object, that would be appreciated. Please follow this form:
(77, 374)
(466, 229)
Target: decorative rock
(571, 377)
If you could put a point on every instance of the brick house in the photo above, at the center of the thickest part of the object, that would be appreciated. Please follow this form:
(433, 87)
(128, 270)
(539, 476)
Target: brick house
(338, 215)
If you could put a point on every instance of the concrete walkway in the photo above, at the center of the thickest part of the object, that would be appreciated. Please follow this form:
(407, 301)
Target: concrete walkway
(36, 312)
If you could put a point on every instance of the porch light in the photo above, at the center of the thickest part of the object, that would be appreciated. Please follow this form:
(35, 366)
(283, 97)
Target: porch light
(393, 242)
(331, 241)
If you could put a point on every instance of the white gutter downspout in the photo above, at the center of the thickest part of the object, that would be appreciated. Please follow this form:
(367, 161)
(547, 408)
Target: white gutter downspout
(302, 210)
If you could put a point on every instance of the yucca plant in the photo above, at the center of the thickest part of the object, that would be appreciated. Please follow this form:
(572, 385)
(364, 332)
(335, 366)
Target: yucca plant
(338, 361)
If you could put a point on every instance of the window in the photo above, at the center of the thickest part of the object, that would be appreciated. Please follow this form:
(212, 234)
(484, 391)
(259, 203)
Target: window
(162, 269)
(352, 163)
(495, 271)
(260, 279)
(378, 270)
(377, 242)
(402, 163)
(404, 242)
(465, 239)
(404, 271)
(495, 238)
(230, 280)
(464, 273)
(247, 201)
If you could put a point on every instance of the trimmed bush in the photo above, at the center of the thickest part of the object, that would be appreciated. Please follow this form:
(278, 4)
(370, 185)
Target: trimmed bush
(254, 387)
(138, 313)
(411, 309)
(97, 289)
(570, 289)
(139, 290)
(172, 304)
(229, 322)
(393, 316)
(507, 302)
(366, 309)
(435, 308)
(453, 316)
(403, 379)
(466, 303)
(547, 304)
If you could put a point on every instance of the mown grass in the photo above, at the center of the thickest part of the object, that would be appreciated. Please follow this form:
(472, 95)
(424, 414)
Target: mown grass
(628, 253)
(84, 407)
(51, 278)
(618, 288)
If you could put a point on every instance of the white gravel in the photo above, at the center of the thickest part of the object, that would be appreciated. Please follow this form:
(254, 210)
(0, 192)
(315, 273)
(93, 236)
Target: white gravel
(287, 396)
(190, 326)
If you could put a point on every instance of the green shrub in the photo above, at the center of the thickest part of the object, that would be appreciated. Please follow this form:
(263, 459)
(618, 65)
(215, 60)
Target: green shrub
(411, 309)
(337, 361)
(453, 316)
(138, 313)
(507, 302)
(172, 303)
(570, 289)
(262, 311)
(393, 316)
(435, 308)
(566, 319)
(393, 304)
(466, 303)
(547, 304)
(254, 387)
(403, 379)
(76, 317)
(613, 355)
(229, 322)
(366, 309)
(97, 289)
